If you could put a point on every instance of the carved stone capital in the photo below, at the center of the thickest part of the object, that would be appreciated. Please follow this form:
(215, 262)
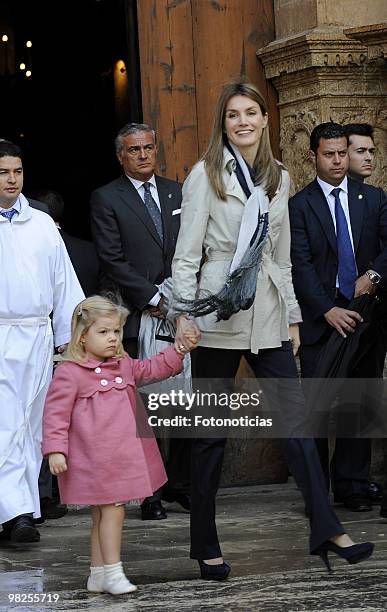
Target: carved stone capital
(374, 37)
(312, 50)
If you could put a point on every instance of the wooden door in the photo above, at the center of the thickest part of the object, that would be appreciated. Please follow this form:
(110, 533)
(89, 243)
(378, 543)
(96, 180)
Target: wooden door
(188, 50)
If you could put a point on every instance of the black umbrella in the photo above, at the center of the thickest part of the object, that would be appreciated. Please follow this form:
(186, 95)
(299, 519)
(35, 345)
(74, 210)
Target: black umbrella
(358, 356)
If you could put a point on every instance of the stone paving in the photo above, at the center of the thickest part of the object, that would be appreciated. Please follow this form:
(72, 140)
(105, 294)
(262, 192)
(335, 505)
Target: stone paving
(264, 536)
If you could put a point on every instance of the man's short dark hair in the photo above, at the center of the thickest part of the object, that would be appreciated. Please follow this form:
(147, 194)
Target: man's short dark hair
(132, 128)
(9, 149)
(327, 131)
(359, 129)
(54, 201)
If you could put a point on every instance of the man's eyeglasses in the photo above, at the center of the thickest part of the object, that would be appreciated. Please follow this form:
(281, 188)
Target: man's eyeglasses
(147, 149)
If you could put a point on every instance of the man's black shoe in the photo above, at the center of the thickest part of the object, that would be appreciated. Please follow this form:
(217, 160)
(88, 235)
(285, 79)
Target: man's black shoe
(52, 510)
(152, 511)
(357, 503)
(180, 498)
(373, 493)
(24, 530)
(8, 535)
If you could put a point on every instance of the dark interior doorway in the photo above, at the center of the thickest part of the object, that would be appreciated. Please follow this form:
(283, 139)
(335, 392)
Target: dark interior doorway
(64, 115)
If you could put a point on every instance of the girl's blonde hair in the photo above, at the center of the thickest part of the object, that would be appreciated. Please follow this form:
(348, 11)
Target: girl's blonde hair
(266, 169)
(84, 315)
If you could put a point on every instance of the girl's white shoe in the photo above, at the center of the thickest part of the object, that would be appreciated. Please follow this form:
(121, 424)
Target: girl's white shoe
(115, 582)
(95, 580)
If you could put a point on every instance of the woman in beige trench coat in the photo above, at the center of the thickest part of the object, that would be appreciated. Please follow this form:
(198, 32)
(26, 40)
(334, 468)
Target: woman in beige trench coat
(238, 181)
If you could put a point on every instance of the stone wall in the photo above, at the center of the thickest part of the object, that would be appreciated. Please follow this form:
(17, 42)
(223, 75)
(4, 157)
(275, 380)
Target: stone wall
(296, 16)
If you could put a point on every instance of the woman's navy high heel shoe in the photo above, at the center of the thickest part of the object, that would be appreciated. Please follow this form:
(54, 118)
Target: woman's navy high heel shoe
(352, 554)
(214, 572)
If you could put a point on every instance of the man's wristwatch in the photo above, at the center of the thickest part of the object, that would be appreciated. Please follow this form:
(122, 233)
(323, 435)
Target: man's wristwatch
(374, 277)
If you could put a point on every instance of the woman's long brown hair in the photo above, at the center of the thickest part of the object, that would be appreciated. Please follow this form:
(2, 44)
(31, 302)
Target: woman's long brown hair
(266, 169)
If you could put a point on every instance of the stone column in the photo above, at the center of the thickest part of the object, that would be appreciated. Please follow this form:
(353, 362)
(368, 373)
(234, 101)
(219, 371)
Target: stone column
(324, 69)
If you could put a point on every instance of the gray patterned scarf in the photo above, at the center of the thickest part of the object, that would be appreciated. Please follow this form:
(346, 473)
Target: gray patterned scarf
(238, 292)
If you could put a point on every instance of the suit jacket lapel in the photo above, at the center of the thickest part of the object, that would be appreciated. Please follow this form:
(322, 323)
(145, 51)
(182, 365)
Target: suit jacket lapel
(356, 209)
(317, 201)
(133, 200)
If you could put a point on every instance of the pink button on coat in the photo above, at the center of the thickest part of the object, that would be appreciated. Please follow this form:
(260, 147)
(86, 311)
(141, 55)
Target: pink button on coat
(89, 416)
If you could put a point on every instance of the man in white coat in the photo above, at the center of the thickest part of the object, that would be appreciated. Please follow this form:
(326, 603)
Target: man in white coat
(37, 280)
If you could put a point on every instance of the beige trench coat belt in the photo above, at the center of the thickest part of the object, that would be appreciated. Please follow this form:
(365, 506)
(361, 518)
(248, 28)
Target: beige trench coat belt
(33, 322)
(213, 255)
(267, 265)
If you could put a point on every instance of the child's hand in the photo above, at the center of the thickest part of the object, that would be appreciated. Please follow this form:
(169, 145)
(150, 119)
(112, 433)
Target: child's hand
(57, 463)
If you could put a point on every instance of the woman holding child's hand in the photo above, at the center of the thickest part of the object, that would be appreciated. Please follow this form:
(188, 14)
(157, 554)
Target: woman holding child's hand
(232, 273)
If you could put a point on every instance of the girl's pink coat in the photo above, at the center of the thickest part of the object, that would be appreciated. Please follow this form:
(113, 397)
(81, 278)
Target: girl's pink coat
(94, 425)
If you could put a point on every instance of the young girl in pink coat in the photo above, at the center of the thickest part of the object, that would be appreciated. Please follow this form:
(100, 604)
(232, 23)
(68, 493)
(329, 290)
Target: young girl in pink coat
(89, 431)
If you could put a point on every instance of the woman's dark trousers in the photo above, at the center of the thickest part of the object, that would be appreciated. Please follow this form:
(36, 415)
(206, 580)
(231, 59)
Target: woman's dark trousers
(301, 454)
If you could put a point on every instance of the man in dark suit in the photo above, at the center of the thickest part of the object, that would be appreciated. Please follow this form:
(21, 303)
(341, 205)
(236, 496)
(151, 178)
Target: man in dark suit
(339, 238)
(85, 263)
(81, 252)
(362, 161)
(135, 222)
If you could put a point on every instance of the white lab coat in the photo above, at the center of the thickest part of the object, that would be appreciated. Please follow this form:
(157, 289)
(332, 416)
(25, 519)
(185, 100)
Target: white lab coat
(36, 279)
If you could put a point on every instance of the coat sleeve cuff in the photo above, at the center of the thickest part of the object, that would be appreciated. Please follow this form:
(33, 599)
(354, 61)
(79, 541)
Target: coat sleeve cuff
(49, 447)
(174, 360)
(295, 315)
